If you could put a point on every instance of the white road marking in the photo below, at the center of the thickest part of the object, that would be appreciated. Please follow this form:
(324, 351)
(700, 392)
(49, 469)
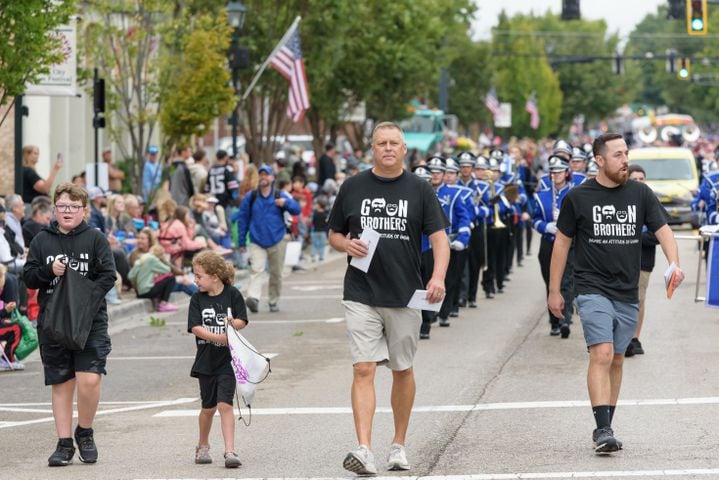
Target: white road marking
(118, 402)
(461, 408)
(525, 475)
(27, 410)
(314, 288)
(168, 403)
(311, 297)
(283, 322)
(174, 357)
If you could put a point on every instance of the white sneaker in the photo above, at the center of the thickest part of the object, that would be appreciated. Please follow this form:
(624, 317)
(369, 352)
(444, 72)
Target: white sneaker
(360, 461)
(397, 459)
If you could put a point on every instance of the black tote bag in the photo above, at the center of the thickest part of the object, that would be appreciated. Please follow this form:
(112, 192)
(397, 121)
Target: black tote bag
(71, 310)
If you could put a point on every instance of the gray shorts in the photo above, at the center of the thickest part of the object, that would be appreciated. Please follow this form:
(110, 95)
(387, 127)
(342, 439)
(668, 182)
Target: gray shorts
(387, 336)
(607, 321)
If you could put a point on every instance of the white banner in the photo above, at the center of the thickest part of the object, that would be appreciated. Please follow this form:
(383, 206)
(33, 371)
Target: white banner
(503, 119)
(60, 80)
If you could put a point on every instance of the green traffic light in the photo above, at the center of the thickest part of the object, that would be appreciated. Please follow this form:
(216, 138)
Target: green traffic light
(697, 24)
(683, 73)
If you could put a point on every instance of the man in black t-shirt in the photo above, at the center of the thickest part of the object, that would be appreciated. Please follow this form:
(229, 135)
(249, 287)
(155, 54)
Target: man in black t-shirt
(604, 216)
(382, 330)
(222, 181)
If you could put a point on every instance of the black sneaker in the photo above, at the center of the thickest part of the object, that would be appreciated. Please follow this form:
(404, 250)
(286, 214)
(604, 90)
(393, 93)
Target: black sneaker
(604, 441)
(472, 304)
(423, 336)
(443, 322)
(462, 303)
(454, 313)
(564, 330)
(63, 453)
(252, 304)
(637, 346)
(555, 330)
(630, 350)
(86, 445)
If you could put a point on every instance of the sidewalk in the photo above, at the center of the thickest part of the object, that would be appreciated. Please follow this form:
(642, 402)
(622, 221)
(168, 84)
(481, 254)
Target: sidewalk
(133, 311)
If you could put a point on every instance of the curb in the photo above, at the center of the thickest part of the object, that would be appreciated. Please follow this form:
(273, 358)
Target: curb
(133, 306)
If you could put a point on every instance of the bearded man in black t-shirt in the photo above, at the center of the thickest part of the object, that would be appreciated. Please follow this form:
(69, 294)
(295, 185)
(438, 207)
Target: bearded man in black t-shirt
(604, 216)
(382, 330)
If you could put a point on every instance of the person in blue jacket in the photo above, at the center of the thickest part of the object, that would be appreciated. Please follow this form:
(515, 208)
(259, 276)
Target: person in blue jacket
(546, 211)
(262, 215)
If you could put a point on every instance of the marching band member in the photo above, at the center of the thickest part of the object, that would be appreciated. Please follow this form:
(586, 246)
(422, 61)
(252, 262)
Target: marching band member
(561, 149)
(546, 211)
(467, 163)
(497, 232)
(452, 198)
(578, 166)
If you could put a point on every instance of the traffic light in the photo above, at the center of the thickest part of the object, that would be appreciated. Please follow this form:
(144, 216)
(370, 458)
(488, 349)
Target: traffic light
(98, 95)
(697, 17)
(685, 69)
(570, 10)
(676, 9)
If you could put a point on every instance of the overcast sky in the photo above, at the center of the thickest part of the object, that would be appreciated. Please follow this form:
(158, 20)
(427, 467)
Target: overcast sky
(620, 15)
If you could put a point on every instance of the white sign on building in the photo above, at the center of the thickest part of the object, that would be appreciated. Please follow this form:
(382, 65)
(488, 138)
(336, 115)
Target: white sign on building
(503, 119)
(61, 79)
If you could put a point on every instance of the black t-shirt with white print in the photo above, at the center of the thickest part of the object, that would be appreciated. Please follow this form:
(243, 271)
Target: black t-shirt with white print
(400, 209)
(211, 313)
(607, 226)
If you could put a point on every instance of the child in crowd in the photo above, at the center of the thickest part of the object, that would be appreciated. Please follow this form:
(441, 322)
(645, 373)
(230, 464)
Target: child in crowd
(319, 229)
(212, 308)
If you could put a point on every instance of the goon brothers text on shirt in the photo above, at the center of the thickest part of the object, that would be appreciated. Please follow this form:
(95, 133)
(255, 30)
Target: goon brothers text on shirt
(390, 219)
(612, 226)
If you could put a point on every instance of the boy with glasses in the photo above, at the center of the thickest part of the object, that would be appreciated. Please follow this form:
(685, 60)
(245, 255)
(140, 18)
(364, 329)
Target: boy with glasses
(69, 242)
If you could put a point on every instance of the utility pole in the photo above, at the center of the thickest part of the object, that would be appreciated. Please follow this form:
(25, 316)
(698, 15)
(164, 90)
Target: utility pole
(20, 111)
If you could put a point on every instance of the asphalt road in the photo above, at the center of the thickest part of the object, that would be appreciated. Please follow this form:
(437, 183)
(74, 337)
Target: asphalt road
(497, 397)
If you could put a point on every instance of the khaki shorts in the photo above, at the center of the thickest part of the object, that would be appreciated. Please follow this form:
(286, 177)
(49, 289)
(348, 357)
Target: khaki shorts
(387, 336)
(643, 284)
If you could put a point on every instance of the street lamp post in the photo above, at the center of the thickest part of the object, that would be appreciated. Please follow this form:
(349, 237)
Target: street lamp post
(238, 58)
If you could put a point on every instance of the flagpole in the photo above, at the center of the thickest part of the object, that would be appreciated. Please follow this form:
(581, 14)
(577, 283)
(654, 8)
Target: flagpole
(267, 61)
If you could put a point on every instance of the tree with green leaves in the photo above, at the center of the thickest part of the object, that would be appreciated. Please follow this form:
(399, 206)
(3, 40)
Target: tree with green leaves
(374, 53)
(588, 85)
(521, 68)
(653, 36)
(28, 48)
(198, 89)
(146, 52)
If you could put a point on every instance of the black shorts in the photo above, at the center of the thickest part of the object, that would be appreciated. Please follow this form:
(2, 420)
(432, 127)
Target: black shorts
(60, 363)
(217, 388)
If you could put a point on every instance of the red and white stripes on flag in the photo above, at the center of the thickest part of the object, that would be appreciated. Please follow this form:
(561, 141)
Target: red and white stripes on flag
(491, 102)
(289, 62)
(533, 110)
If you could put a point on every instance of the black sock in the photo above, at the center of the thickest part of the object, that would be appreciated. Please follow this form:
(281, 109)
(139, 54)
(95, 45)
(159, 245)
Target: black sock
(66, 442)
(602, 415)
(82, 431)
(611, 413)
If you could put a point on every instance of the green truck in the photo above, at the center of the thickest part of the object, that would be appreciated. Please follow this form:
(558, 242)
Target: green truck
(429, 130)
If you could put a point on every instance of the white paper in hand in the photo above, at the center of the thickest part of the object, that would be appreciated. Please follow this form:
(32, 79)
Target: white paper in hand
(371, 239)
(420, 302)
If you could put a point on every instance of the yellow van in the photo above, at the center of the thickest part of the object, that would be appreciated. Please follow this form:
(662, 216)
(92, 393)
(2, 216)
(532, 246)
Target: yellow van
(672, 174)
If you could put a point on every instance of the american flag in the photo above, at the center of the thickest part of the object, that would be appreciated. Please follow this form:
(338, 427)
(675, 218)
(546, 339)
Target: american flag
(491, 101)
(533, 110)
(289, 62)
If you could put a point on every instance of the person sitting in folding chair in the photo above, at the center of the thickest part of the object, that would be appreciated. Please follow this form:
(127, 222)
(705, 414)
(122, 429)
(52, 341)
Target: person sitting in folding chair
(10, 333)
